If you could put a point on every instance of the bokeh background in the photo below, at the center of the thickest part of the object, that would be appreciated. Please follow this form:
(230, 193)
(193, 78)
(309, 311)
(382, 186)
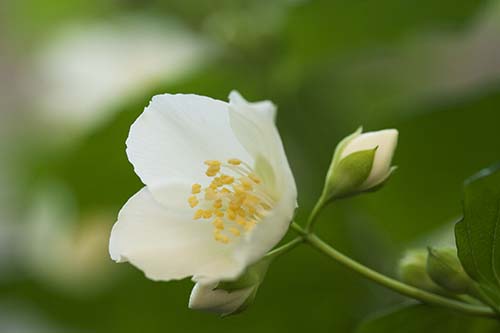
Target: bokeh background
(76, 73)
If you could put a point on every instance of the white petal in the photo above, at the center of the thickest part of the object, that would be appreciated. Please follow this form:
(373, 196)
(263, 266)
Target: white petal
(176, 133)
(386, 141)
(253, 124)
(268, 232)
(204, 297)
(168, 244)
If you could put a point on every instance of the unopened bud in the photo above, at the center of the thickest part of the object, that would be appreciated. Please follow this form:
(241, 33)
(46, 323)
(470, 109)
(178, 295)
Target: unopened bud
(361, 162)
(445, 269)
(412, 270)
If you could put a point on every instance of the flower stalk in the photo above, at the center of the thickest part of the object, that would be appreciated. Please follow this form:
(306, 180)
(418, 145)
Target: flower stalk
(429, 298)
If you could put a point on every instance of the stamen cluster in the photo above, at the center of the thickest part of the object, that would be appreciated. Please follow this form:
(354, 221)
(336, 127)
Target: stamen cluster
(235, 200)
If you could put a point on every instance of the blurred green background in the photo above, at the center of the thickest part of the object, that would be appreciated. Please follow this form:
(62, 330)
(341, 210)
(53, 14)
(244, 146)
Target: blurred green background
(75, 74)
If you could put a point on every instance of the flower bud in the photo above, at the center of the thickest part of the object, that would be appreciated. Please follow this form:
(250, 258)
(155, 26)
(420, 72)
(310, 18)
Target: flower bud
(412, 270)
(361, 162)
(445, 269)
(230, 297)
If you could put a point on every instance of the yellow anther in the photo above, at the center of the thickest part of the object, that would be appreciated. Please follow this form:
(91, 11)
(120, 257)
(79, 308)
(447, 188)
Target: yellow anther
(255, 178)
(218, 223)
(249, 225)
(241, 212)
(218, 181)
(221, 238)
(238, 188)
(231, 214)
(227, 180)
(225, 191)
(213, 163)
(252, 211)
(207, 214)
(199, 214)
(229, 197)
(234, 206)
(251, 200)
(212, 171)
(246, 183)
(196, 188)
(193, 201)
(234, 231)
(241, 221)
(210, 194)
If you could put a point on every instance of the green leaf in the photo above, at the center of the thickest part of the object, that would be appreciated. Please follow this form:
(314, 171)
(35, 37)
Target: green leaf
(419, 318)
(478, 234)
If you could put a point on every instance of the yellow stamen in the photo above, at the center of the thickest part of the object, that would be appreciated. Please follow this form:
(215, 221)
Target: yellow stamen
(213, 163)
(193, 201)
(207, 214)
(196, 188)
(218, 223)
(231, 197)
(255, 178)
(218, 203)
(234, 231)
(198, 215)
(227, 180)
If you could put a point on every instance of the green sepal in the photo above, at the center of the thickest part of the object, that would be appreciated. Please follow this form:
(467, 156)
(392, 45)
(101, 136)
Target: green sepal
(445, 269)
(252, 276)
(412, 270)
(348, 174)
(341, 146)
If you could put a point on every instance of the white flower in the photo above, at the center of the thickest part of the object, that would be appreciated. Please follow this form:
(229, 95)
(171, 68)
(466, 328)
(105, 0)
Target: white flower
(385, 142)
(206, 297)
(207, 221)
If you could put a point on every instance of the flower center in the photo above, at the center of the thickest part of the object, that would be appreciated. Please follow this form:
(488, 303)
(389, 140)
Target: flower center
(235, 200)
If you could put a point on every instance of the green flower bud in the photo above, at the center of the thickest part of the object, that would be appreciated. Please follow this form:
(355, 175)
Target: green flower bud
(412, 270)
(445, 269)
(361, 162)
(230, 297)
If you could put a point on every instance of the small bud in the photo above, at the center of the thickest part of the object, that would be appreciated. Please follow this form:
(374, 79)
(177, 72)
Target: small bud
(361, 162)
(445, 269)
(230, 297)
(412, 270)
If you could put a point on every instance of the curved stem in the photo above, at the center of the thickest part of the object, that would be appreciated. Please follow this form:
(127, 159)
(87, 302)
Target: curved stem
(285, 247)
(311, 221)
(390, 283)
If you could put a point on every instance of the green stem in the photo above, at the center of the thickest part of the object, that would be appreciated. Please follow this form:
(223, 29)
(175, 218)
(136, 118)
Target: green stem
(311, 221)
(390, 283)
(285, 248)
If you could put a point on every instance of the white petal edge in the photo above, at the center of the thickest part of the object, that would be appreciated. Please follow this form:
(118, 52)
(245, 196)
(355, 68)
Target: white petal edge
(169, 245)
(254, 126)
(176, 133)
